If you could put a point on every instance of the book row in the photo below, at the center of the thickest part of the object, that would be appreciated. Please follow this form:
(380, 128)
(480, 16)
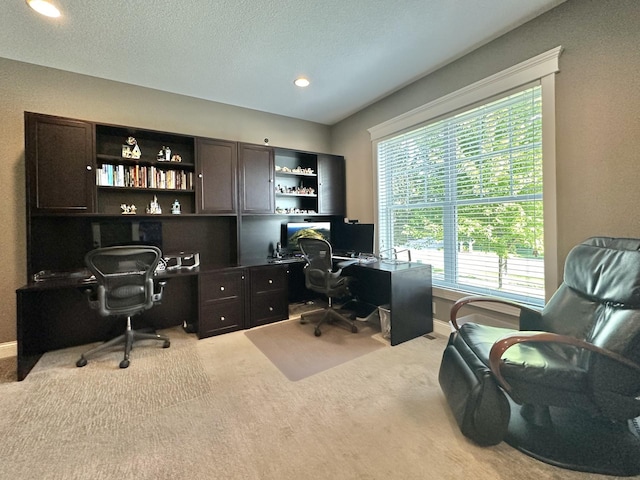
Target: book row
(141, 176)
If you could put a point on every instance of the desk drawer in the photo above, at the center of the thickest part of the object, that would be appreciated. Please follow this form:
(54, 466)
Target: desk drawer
(221, 317)
(269, 278)
(216, 286)
(268, 307)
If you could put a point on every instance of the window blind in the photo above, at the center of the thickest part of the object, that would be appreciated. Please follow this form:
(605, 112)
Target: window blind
(464, 194)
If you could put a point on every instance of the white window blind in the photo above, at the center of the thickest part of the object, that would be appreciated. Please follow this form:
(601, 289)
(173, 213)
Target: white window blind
(464, 194)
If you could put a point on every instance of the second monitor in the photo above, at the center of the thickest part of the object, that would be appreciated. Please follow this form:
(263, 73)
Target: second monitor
(353, 238)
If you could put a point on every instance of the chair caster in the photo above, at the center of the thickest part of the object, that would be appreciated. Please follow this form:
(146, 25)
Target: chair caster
(166, 344)
(124, 363)
(317, 332)
(81, 362)
(354, 329)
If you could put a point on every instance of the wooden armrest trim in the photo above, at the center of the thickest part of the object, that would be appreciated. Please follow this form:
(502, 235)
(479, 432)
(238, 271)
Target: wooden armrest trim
(506, 342)
(477, 298)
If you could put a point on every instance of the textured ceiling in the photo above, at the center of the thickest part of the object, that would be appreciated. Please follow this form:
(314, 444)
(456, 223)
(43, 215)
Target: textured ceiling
(248, 52)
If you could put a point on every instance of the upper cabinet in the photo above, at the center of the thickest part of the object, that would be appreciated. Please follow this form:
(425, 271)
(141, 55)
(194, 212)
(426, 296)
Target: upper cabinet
(331, 185)
(309, 183)
(76, 166)
(256, 179)
(59, 164)
(216, 166)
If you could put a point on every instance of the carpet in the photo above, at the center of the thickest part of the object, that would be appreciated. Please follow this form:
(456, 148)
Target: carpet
(298, 353)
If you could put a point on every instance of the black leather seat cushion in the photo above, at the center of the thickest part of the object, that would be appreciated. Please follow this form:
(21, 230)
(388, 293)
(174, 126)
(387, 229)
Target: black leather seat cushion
(532, 363)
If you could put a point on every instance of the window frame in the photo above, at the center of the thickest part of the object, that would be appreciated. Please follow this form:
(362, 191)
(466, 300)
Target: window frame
(539, 69)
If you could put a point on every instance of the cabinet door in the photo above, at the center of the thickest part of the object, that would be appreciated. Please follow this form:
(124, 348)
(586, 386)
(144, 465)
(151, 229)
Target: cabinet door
(257, 171)
(60, 165)
(216, 166)
(331, 185)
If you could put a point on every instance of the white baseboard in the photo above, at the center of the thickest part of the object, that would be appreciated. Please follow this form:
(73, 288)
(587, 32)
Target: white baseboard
(8, 349)
(441, 327)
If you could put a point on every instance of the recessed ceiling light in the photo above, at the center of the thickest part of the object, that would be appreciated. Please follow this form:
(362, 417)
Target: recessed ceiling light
(44, 7)
(301, 82)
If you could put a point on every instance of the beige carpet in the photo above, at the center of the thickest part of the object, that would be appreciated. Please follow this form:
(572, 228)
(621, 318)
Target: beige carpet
(219, 409)
(298, 353)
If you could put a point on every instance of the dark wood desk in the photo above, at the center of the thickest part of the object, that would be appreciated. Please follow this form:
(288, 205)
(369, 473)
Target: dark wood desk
(55, 314)
(405, 287)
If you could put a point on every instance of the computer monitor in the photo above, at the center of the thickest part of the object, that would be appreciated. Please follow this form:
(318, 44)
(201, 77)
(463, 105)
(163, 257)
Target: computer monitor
(127, 232)
(297, 230)
(353, 238)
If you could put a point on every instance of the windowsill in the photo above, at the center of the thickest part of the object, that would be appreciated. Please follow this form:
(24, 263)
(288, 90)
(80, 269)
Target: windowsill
(454, 295)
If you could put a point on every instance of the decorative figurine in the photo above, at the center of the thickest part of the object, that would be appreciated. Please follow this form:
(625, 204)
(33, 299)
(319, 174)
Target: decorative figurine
(175, 208)
(128, 209)
(131, 149)
(154, 207)
(176, 158)
(162, 154)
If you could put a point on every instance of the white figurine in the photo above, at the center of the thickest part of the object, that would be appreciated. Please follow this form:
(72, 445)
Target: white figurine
(154, 207)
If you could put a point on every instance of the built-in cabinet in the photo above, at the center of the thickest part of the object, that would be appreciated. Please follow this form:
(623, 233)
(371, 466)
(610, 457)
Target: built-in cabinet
(226, 200)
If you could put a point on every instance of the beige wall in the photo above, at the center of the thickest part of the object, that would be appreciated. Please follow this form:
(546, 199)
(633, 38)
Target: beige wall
(597, 115)
(598, 124)
(25, 87)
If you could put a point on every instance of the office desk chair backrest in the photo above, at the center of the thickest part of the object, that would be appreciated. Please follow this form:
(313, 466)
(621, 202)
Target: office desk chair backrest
(125, 278)
(320, 277)
(125, 288)
(318, 254)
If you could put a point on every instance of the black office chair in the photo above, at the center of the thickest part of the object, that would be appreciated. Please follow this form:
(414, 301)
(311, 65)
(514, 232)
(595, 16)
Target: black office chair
(320, 277)
(564, 387)
(125, 288)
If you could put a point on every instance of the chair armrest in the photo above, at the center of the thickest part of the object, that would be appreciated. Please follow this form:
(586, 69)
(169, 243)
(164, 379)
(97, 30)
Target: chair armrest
(158, 289)
(524, 310)
(506, 342)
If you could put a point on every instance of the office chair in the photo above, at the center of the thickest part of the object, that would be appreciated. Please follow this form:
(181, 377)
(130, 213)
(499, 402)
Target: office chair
(320, 277)
(125, 288)
(565, 387)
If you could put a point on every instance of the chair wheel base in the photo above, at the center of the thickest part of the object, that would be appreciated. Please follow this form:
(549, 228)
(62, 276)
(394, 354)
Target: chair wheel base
(317, 332)
(577, 442)
(81, 362)
(166, 344)
(124, 363)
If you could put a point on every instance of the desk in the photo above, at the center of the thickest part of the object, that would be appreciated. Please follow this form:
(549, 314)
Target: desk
(405, 287)
(55, 314)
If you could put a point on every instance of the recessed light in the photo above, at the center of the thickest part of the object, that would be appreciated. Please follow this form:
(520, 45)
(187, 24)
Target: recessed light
(301, 82)
(44, 7)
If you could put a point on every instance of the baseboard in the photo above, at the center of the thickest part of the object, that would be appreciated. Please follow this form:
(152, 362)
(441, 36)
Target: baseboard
(8, 349)
(441, 328)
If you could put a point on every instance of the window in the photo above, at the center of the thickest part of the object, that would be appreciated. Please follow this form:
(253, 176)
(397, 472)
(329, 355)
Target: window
(464, 194)
(460, 184)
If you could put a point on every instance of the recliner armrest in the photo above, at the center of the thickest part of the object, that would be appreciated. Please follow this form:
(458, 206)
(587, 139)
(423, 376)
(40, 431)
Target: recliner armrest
(506, 342)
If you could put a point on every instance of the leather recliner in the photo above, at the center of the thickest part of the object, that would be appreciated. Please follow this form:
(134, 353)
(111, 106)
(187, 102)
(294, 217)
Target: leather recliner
(565, 387)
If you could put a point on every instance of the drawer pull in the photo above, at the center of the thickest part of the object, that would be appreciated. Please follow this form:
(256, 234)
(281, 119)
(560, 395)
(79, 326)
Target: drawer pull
(222, 289)
(270, 281)
(222, 319)
(271, 309)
